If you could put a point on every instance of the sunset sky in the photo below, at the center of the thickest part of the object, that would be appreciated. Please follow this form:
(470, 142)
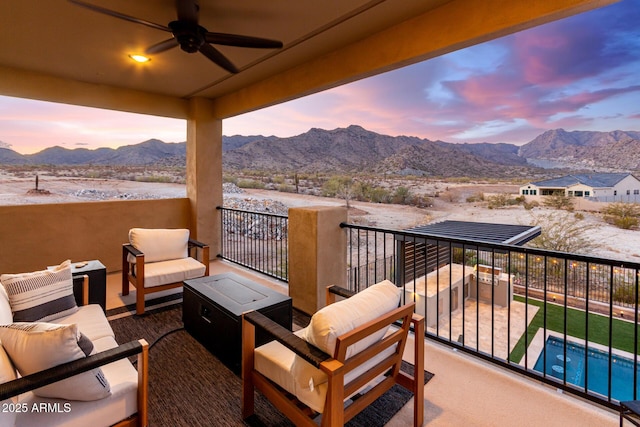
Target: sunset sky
(581, 73)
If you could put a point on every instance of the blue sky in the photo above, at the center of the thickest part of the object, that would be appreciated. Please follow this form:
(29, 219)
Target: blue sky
(580, 73)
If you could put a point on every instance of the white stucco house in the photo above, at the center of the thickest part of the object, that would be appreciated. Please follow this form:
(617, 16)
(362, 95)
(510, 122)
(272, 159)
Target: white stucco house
(601, 186)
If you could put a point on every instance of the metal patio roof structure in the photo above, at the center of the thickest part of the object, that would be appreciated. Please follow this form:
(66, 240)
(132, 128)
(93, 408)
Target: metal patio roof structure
(482, 231)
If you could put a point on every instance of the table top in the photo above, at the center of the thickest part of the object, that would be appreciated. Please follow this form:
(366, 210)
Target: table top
(235, 293)
(83, 266)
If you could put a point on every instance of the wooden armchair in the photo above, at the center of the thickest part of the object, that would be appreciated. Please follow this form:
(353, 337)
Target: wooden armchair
(302, 380)
(155, 260)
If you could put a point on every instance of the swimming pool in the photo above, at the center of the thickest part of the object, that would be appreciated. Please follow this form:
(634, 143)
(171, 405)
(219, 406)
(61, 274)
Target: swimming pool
(598, 367)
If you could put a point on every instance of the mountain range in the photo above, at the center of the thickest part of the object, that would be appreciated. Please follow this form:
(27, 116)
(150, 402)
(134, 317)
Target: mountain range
(355, 149)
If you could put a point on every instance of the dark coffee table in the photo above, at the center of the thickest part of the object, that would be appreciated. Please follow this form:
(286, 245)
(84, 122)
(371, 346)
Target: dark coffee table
(212, 313)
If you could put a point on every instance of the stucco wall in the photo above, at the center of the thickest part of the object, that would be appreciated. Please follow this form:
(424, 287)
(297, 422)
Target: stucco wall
(317, 254)
(35, 236)
(579, 203)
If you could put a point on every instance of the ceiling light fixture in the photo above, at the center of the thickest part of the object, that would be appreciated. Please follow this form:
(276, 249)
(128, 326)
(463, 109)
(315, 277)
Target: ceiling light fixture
(139, 58)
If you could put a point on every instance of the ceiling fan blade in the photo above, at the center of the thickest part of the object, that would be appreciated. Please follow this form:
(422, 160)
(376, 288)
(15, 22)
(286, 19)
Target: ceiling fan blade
(214, 55)
(162, 46)
(187, 10)
(119, 15)
(242, 41)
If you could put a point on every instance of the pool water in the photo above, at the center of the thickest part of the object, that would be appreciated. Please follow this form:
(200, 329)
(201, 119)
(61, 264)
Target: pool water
(598, 368)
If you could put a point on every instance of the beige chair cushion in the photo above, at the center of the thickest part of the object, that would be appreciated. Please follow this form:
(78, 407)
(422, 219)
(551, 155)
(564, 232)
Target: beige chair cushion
(343, 316)
(160, 244)
(172, 271)
(275, 361)
(299, 377)
(302, 379)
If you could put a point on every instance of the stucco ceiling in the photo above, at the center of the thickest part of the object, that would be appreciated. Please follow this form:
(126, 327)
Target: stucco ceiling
(61, 39)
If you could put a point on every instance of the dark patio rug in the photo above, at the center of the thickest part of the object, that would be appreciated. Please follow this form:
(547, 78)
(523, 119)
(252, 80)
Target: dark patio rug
(188, 386)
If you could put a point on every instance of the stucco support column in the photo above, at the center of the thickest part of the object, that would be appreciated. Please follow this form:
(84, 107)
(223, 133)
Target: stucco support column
(317, 254)
(204, 172)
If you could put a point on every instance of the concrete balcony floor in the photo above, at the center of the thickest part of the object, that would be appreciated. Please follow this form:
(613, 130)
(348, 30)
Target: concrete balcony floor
(465, 391)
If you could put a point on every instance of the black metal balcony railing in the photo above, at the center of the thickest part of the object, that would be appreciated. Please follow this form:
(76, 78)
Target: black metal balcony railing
(566, 319)
(256, 240)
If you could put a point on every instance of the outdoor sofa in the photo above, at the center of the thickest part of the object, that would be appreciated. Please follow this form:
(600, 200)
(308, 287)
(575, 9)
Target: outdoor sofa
(60, 364)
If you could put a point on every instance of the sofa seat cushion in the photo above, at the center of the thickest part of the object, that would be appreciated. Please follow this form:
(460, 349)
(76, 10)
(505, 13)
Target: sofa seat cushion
(91, 321)
(299, 377)
(122, 403)
(160, 244)
(172, 271)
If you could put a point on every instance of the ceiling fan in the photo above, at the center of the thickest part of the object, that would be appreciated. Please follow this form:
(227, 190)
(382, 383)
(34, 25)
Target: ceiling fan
(189, 35)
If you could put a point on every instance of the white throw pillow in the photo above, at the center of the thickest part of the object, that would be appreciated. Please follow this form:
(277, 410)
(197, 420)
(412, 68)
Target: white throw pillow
(34, 347)
(41, 296)
(160, 244)
(338, 318)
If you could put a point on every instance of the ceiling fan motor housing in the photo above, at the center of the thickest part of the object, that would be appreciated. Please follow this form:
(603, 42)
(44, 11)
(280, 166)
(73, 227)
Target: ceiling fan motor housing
(190, 36)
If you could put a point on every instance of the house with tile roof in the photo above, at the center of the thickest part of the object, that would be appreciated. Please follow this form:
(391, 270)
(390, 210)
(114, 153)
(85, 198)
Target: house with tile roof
(600, 186)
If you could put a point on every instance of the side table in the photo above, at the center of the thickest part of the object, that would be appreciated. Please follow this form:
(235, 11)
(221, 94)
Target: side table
(97, 273)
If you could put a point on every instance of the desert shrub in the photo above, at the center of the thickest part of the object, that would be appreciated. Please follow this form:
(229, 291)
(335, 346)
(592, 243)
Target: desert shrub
(625, 223)
(622, 215)
(478, 197)
(155, 178)
(286, 188)
(230, 178)
(277, 179)
(530, 205)
(578, 215)
(250, 183)
(500, 201)
(335, 185)
(378, 195)
(420, 201)
(448, 196)
(563, 232)
(559, 200)
(401, 196)
(624, 294)
(339, 186)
